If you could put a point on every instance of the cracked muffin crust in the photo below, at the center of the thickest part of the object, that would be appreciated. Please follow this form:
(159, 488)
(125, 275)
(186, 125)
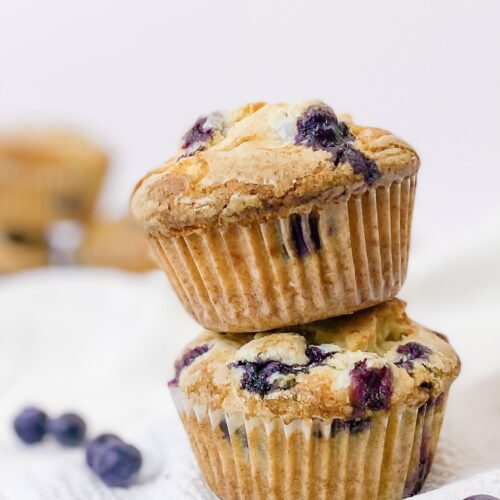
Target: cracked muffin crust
(276, 215)
(266, 160)
(348, 368)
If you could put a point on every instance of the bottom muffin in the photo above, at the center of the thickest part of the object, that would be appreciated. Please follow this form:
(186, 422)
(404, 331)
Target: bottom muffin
(346, 408)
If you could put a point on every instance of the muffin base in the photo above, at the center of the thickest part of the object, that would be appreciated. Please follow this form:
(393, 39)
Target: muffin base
(345, 255)
(247, 458)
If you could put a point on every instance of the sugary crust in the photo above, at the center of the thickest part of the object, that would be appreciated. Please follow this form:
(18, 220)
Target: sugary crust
(253, 170)
(321, 391)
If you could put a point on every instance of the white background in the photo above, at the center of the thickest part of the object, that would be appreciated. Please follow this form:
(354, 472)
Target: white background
(134, 75)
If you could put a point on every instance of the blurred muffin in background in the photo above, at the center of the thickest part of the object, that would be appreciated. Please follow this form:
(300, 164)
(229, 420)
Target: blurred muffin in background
(115, 243)
(45, 176)
(20, 251)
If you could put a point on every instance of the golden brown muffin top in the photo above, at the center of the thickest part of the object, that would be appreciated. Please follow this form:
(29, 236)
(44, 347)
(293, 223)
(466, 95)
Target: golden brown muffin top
(49, 148)
(263, 160)
(347, 367)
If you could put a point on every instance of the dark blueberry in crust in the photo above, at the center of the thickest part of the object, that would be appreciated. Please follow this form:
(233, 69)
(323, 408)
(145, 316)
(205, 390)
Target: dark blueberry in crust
(410, 352)
(360, 163)
(316, 355)
(298, 239)
(371, 388)
(96, 445)
(257, 375)
(117, 463)
(319, 128)
(198, 135)
(68, 429)
(31, 425)
(427, 386)
(186, 360)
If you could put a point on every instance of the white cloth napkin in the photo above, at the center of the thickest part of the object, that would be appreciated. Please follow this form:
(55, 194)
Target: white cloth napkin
(102, 343)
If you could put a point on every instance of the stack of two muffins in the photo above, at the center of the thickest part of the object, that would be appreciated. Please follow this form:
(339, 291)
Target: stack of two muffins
(274, 223)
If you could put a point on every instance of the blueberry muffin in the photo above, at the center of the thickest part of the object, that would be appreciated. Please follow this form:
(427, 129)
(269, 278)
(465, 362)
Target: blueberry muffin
(20, 251)
(115, 243)
(275, 215)
(345, 408)
(47, 176)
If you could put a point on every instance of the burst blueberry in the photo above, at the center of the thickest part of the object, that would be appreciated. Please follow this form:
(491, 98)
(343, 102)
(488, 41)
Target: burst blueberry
(186, 359)
(31, 425)
(319, 128)
(68, 429)
(371, 388)
(317, 355)
(256, 377)
(116, 462)
(410, 352)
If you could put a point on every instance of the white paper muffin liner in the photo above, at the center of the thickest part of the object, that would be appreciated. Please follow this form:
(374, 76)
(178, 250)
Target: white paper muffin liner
(348, 255)
(32, 197)
(247, 458)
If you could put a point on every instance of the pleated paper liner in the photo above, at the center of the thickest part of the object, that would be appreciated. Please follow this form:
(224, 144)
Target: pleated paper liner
(386, 457)
(32, 198)
(348, 255)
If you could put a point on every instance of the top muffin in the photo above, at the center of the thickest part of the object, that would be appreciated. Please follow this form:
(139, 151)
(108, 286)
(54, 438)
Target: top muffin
(266, 159)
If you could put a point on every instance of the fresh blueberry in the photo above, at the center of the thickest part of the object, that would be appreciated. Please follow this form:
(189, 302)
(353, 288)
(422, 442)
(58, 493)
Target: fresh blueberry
(68, 429)
(410, 352)
(186, 360)
(96, 445)
(31, 425)
(371, 388)
(117, 463)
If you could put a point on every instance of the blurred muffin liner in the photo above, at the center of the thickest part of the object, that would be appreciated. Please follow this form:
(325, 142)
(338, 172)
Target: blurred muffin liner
(347, 255)
(386, 457)
(32, 197)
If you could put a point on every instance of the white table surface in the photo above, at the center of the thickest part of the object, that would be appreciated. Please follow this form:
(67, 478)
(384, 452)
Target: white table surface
(102, 343)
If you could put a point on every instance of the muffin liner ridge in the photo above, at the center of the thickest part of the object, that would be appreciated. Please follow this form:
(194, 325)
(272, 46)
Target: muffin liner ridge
(241, 457)
(346, 255)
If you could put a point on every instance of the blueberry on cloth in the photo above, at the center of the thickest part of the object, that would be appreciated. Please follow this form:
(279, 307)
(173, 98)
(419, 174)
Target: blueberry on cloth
(68, 429)
(116, 463)
(371, 388)
(95, 446)
(31, 425)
